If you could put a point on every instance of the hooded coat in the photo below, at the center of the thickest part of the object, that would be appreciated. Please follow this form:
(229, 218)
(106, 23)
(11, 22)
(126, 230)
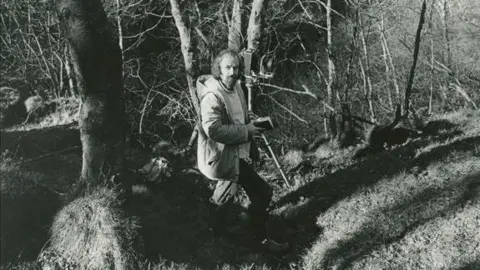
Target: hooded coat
(219, 138)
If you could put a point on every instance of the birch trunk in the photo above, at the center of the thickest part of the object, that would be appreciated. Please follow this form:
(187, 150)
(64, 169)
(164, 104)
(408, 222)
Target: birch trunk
(331, 67)
(188, 51)
(120, 31)
(446, 15)
(366, 74)
(432, 73)
(385, 60)
(68, 70)
(235, 31)
(254, 34)
(255, 23)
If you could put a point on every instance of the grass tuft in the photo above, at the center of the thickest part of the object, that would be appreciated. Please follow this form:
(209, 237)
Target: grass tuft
(92, 233)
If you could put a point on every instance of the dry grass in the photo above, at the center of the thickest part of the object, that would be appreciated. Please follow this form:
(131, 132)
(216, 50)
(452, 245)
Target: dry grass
(92, 233)
(65, 113)
(424, 216)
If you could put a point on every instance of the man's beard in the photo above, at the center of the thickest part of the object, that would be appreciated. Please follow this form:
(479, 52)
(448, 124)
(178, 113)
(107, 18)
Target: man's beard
(230, 82)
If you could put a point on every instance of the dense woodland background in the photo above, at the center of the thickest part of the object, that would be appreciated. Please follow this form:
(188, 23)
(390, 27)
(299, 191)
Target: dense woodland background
(372, 53)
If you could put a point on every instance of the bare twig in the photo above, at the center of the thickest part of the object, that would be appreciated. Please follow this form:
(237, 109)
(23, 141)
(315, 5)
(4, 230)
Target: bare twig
(460, 90)
(306, 92)
(286, 109)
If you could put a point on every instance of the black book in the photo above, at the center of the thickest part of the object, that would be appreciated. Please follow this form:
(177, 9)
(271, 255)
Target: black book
(264, 122)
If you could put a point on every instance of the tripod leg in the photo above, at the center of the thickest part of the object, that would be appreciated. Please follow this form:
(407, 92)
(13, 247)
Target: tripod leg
(275, 159)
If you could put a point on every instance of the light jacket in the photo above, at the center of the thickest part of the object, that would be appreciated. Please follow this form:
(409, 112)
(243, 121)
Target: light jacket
(219, 138)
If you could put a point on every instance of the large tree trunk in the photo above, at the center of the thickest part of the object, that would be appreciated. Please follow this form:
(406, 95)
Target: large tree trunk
(235, 31)
(408, 90)
(97, 62)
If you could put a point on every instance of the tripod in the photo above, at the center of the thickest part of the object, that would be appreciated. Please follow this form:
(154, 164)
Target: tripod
(264, 137)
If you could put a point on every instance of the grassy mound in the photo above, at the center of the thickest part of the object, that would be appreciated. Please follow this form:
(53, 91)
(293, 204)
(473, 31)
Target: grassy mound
(92, 233)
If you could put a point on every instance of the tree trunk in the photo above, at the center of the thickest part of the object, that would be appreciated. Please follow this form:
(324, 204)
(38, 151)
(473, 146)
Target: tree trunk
(432, 74)
(254, 34)
(235, 31)
(255, 24)
(184, 28)
(70, 73)
(446, 15)
(188, 51)
(333, 123)
(366, 74)
(97, 60)
(411, 76)
(353, 51)
(385, 59)
(120, 30)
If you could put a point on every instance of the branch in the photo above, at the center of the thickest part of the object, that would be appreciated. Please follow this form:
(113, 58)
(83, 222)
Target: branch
(459, 89)
(306, 92)
(286, 109)
(202, 35)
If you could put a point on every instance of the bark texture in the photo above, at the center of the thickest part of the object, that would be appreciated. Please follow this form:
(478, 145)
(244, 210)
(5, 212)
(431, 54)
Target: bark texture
(408, 90)
(184, 30)
(255, 23)
(97, 62)
(235, 31)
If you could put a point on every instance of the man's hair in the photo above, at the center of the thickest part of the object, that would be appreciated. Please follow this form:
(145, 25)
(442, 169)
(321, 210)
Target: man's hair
(216, 62)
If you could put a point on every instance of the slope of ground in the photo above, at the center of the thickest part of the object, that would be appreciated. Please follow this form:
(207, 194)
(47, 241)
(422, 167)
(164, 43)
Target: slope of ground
(415, 206)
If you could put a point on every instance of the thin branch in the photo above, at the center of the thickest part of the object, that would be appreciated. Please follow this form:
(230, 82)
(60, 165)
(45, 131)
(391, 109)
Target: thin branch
(286, 109)
(306, 92)
(459, 89)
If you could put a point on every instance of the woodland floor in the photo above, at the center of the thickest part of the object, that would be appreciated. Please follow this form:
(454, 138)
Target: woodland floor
(416, 206)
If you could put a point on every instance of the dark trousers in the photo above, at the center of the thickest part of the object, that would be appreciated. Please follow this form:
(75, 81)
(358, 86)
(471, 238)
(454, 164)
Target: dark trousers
(259, 193)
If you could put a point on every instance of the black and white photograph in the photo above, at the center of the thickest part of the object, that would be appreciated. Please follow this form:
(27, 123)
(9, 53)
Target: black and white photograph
(240, 135)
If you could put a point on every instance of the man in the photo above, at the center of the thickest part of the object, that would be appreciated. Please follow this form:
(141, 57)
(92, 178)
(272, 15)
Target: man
(223, 152)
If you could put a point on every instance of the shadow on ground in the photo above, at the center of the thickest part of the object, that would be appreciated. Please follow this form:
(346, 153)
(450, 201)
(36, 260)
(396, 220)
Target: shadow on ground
(34, 143)
(299, 209)
(27, 211)
(390, 224)
(175, 216)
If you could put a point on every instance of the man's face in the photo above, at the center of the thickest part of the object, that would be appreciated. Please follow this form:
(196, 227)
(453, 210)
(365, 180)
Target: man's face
(229, 70)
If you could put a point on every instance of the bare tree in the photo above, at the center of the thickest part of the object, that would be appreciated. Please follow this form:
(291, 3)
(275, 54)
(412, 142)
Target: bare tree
(254, 35)
(235, 31)
(411, 76)
(255, 22)
(183, 24)
(120, 29)
(366, 72)
(446, 16)
(97, 62)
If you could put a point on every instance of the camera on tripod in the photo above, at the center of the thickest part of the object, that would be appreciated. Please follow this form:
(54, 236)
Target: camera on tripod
(257, 67)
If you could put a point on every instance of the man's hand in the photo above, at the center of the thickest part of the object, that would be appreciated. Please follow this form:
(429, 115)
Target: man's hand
(253, 130)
